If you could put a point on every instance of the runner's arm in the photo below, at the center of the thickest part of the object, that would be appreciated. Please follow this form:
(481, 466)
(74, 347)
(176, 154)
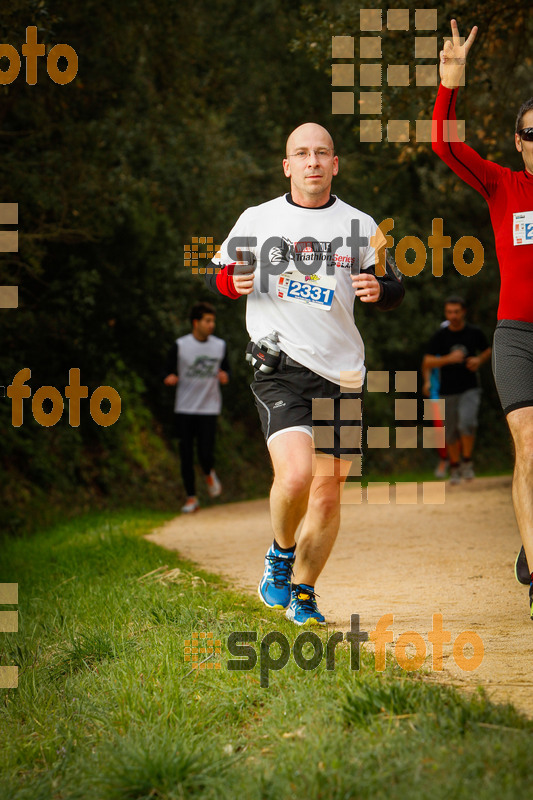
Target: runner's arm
(473, 363)
(432, 361)
(426, 378)
(479, 173)
(391, 287)
(233, 279)
(222, 282)
(170, 367)
(171, 362)
(224, 364)
(433, 348)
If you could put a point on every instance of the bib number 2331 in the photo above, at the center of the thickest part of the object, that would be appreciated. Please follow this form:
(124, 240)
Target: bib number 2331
(310, 290)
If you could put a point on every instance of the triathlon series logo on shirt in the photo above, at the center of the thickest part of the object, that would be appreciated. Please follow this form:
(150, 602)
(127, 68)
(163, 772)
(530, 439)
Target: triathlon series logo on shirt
(306, 252)
(203, 367)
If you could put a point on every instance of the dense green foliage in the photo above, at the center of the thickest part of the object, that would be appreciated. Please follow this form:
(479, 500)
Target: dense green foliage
(108, 707)
(175, 123)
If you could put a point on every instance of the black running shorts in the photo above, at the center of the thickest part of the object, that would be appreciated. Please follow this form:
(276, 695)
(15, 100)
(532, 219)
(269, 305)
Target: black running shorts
(284, 400)
(512, 363)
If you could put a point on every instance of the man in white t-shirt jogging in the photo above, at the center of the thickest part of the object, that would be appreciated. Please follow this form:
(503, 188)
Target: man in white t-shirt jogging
(301, 259)
(197, 364)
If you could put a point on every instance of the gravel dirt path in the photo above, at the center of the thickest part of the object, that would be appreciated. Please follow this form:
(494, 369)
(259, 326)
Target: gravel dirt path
(412, 561)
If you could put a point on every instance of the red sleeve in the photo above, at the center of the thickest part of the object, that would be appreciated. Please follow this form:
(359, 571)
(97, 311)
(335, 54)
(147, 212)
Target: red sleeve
(224, 282)
(479, 173)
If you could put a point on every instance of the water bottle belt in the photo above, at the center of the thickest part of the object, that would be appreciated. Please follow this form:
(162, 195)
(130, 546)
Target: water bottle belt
(290, 362)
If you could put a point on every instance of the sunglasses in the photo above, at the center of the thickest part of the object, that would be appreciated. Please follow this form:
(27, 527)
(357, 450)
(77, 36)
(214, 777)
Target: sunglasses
(526, 134)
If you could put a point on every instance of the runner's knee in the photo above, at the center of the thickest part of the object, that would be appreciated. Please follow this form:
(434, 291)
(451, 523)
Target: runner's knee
(451, 436)
(325, 499)
(524, 452)
(468, 428)
(294, 482)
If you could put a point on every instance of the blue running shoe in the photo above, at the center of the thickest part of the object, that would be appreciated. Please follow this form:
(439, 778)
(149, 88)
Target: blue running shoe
(275, 587)
(302, 609)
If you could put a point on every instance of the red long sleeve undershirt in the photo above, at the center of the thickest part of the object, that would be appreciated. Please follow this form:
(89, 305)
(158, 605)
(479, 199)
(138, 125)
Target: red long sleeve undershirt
(506, 193)
(224, 282)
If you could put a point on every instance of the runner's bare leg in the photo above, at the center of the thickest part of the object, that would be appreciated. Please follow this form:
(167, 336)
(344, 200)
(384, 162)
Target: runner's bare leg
(467, 445)
(521, 425)
(296, 491)
(454, 451)
(321, 524)
(292, 458)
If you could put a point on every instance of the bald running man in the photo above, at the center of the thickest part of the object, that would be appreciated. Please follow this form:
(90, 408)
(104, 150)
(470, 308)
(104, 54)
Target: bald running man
(302, 260)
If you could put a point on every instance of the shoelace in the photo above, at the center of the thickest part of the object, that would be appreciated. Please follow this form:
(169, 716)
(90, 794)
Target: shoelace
(281, 570)
(307, 600)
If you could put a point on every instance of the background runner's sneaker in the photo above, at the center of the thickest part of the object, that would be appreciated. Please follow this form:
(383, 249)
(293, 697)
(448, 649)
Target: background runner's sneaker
(455, 476)
(214, 487)
(191, 505)
(531, 600)
(275, 587)
(521, 568)
(303, 609)
(441, 470)
(467, 471)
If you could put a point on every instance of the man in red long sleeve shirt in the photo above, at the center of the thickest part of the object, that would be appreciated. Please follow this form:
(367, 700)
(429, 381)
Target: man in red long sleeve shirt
(509, 195)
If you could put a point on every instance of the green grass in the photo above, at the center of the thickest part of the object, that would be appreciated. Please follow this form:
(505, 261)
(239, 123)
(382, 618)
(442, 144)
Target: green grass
(108, 708)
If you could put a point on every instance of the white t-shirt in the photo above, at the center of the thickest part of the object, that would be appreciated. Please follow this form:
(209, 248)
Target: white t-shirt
(295, 240)
(198, 389)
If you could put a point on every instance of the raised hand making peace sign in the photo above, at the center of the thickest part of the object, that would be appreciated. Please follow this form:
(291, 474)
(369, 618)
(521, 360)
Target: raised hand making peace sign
(453, 57)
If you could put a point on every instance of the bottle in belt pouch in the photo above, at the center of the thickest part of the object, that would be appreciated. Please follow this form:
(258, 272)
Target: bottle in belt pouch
(268, 345)
(249, 352)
